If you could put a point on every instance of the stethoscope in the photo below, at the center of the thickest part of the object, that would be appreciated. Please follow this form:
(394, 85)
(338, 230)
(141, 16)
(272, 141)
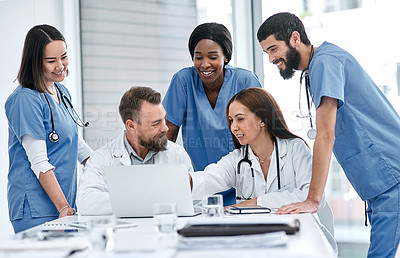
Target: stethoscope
(53, 135)
(305, 74)
(247, 160)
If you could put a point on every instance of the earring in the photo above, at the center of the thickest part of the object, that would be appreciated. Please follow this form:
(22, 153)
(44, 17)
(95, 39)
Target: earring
(261, 124)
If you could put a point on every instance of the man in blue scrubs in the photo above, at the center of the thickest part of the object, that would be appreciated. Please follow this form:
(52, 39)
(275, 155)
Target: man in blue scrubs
(353, 119)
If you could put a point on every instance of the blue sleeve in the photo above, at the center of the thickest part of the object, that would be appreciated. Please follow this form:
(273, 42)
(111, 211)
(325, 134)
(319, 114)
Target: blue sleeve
(175, 100)
(327, 79)
(241, 78)
(25, 115)
(251, 80)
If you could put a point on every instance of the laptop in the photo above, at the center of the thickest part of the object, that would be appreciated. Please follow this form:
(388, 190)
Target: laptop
(134, 189)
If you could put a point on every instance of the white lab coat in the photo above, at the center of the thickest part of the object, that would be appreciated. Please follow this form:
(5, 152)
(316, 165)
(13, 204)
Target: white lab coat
(93, 197)
(295, 162)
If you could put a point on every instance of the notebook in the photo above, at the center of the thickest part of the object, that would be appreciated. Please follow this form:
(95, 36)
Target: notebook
(134, 189)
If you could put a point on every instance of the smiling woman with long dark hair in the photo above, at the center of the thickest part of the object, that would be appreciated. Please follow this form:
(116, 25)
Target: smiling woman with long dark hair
(44, 145)
(269, 167)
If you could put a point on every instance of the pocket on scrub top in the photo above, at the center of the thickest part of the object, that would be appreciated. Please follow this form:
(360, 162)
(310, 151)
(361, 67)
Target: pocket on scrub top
(61, 176)
(366, 172)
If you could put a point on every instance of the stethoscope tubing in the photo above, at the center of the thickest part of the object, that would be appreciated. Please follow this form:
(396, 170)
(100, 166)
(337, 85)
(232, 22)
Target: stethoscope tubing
(305, 74)
(63, 98)
(53, 135)
(247, 160)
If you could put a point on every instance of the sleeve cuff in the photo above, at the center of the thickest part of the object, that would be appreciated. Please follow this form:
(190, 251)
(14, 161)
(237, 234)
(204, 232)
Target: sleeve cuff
(85, 154)
(84, 151)
(42, 167)
(198, 190)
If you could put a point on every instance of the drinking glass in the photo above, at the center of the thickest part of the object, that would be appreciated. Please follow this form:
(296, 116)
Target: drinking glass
(165, 217)
(101, 233)
(213, 205)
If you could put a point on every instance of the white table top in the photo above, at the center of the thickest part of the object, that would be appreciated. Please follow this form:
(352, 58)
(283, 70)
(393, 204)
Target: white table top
(144, 241)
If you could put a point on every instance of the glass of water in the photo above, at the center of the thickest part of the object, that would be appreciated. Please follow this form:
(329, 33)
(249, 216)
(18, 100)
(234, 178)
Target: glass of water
(165, 217)
(101, 233)
(213, 205)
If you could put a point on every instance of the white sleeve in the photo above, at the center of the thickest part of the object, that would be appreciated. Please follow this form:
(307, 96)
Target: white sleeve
(84, 151)
(276, 200)
(36, 151)
(175, 154)
(185, 159)
(215, 177)
(93, 197)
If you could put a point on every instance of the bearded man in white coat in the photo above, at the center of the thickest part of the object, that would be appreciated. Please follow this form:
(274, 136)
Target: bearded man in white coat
(144, 141)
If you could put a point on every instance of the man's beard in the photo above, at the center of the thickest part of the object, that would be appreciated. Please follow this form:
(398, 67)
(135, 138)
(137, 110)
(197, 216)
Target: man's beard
(292, 63)
(156, 144)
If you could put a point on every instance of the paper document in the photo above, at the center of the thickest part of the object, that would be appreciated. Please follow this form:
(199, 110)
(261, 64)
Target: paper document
(76, 243)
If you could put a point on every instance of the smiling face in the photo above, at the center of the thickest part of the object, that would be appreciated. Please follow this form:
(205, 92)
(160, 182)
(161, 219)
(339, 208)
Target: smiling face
(244, 124)
(55, 62)
(285, 57)
(209, 61)
(152, 129)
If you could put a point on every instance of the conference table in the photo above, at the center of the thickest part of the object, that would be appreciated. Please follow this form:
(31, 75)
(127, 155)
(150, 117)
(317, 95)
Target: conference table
(138, 237)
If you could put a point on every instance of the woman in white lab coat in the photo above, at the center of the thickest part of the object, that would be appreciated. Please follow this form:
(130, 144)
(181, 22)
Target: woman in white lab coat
(263, 144)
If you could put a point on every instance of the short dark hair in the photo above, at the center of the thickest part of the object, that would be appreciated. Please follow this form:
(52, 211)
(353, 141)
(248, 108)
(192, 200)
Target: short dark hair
(282, 25)
(131, 102)
(215, 32)
(263, 105)
(30, 73)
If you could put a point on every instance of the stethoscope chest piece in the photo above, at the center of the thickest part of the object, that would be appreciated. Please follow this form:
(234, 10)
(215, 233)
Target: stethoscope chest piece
(54, 137)
(312, 133)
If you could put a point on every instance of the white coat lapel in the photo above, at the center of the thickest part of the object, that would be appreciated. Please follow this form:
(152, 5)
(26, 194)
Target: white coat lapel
(272, 178)
(120, 153)
(282, 145)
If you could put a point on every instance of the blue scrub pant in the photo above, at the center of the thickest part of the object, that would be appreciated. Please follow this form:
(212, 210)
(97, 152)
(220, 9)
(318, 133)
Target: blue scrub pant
(384, 217)
(27, 221)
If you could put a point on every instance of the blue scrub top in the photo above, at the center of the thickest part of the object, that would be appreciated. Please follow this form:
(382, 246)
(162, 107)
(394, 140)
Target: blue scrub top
(367, 127)
(205, 132)
(28, 113)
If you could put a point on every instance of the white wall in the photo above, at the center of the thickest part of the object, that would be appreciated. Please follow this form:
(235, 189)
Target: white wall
(16, 18)
(125, 44)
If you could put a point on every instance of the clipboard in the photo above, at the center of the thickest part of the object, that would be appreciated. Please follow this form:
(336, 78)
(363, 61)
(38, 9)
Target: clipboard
(229, 228)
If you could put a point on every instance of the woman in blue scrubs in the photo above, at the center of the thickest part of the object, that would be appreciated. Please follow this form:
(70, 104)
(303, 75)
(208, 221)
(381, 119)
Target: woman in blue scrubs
(44, 145)
(197, 97)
